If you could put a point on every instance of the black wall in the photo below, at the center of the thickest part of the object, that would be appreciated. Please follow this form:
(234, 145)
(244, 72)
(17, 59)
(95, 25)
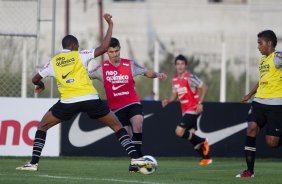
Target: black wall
(159, 138)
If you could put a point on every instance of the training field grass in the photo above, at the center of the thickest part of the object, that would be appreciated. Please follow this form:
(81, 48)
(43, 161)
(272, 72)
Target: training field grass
(83, 170)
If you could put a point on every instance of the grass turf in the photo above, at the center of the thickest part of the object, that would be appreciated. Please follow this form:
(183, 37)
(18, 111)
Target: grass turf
(101, 170)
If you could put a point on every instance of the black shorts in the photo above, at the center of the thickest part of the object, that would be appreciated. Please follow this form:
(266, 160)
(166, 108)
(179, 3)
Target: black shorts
(269, 115)
(128, 112)
(94, 108)
(189, 121)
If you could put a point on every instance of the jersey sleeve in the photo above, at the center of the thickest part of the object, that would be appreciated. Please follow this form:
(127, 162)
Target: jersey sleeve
(278, 60)
(195, 81)
(137, 69)
(86, 56)
(46, 70)
(96, 73)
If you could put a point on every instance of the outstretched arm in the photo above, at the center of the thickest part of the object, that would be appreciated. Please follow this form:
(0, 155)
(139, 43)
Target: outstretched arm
(247, 97)
(39, 85)
(107, 39)
(151, 74)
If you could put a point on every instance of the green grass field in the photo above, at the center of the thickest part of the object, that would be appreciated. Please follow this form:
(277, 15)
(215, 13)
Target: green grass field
(83, 170)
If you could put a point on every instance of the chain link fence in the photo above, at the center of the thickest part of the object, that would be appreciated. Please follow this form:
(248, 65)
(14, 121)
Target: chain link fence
(18, 30)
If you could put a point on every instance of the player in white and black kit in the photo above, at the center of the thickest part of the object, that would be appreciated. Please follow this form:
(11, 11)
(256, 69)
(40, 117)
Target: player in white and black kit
(117, 76)
(266, 109)
(77, 94)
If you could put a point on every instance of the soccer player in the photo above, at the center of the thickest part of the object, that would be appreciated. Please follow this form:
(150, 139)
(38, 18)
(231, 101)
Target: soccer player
(185, 86)
(77, 95)
(117, 76)
(266, 108)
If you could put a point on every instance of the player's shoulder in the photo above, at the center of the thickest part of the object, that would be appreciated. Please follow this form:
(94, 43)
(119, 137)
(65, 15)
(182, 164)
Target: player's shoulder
(105, 63)
(278, 54)
(174, 77)
(98, 67)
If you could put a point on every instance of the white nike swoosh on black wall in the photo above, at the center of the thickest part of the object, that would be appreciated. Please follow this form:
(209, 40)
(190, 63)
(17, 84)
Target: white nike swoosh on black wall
(218, 135)
(80, 138)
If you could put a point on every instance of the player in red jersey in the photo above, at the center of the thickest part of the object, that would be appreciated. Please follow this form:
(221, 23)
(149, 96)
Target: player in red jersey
(186, 87)
(117, 76)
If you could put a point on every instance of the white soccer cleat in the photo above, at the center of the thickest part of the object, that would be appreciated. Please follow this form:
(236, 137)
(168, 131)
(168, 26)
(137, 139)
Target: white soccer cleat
(28, 167)
(139, 161)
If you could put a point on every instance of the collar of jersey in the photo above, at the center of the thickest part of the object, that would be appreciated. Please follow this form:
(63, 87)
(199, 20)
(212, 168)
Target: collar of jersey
(65, 50)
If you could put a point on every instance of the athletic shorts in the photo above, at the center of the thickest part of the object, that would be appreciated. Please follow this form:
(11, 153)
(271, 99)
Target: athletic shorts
(189, 121)
(128, 112)
(269, 115)
(94, 108)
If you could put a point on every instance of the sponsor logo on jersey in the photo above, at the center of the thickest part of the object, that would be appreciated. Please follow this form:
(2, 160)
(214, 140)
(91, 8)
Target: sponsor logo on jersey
(114, 77)
(117, 87)
(62, 61)
(65, 76)
(69, 81)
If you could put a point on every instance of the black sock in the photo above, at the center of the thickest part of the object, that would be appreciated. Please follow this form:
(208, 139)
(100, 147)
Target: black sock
(137, 141)
(195, 141)
(126, 142)
(250, 152)
(186, 134)
(38, 145)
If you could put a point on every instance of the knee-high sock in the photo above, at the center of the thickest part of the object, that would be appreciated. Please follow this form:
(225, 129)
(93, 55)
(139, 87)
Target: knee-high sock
(196, 142)
(137, 141)
(126, 143)
(39, 142)
(250, 152)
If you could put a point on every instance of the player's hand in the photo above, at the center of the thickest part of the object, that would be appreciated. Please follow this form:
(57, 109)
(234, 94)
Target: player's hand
(165, 102)
(199, 108)
(245, 99)
(108, 18)
(39, 89)
(161, 76)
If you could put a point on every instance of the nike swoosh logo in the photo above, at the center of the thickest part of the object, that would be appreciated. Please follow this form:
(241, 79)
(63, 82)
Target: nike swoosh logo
(218, 135)
(80, 138)
(65, 76)
(117, 87)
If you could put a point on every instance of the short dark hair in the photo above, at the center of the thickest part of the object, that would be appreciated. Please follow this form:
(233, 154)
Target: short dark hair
(114, 43)
(68, 40)
(269, 35)
(182, 58)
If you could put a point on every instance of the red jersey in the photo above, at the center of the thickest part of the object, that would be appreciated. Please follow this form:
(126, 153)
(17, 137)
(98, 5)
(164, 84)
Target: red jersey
(119, 84)
(188, 98)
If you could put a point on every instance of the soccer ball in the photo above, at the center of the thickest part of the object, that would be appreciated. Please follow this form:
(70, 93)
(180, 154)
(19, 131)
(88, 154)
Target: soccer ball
(151, 167)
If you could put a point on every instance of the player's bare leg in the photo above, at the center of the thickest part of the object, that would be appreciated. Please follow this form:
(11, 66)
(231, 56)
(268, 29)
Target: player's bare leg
(111, 120)
(48, 121)
(200, 144)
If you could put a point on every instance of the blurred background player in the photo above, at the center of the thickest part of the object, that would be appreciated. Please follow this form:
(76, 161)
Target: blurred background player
(117, 75)
(77, 95)
(186, 87)
(266, 107)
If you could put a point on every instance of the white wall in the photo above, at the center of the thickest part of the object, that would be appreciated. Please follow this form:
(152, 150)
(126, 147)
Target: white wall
(20, 112)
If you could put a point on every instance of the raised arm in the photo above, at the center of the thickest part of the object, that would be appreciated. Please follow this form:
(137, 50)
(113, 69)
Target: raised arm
(247, 97)
(106, 42)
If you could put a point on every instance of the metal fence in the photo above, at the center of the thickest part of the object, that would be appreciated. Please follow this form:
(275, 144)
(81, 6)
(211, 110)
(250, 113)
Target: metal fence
(18, 44)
